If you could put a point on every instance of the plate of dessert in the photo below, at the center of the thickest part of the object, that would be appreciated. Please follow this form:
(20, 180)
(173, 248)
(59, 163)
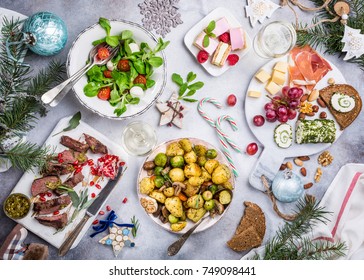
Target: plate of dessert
(84, 161)
(130, 83)
(218, 41)
(297, 105)
(184, 180)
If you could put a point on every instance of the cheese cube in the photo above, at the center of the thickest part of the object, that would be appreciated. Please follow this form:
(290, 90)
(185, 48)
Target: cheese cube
(281, 66)
(253, 93)
(272, 87)
(278, 77)
(262, 76)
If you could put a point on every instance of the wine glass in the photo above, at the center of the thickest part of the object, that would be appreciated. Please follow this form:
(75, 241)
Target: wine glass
(139, 138)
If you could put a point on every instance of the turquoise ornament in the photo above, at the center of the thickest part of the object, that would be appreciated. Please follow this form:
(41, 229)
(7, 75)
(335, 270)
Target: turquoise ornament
(45, 33)
(287, 186)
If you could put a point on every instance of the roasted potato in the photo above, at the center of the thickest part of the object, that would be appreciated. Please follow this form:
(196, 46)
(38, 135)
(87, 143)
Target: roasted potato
(168, 192)
(146, 185)
(192, 170)
(205, 175)
(221, 174)
(228, 185)
(195, 201)
(210, 165)
(178, 226)
(200, 150)
(186, 145)
(190, 157)
(158, 196)
(191, 190)
(174, 149)
(176, 175)
(201, 161)
(196, 181)
(174, 206)
(195, 214)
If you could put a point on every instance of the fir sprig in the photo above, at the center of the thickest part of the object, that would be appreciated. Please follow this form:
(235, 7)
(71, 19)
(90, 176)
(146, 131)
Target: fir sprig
(292, 241)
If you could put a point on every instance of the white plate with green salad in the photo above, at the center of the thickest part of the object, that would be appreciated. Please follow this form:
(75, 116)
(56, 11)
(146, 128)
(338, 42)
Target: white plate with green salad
(128, 90)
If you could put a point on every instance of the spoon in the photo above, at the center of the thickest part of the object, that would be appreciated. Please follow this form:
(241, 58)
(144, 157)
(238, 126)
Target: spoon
(174, 248)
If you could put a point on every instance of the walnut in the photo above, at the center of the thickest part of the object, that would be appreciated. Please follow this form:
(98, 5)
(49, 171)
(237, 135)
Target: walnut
(318, 174)
(325, 158)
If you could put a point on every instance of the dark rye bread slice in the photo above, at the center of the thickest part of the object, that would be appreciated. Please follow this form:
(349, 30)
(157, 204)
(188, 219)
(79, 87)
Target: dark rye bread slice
(251, 229)
(343, 119)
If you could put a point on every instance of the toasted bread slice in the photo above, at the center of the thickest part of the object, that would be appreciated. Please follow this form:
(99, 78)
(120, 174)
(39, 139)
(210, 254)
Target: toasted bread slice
(246, 240)
(343, 119)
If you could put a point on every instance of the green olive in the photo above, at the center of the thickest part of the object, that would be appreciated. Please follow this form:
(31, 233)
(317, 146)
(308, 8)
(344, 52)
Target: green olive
(207, 195)
(160, 159)
(172, 219)
(17, 206)
(158, 170)
(213, 189)
(211, 153)
(209, 204)
(159, 181)
(177, 161)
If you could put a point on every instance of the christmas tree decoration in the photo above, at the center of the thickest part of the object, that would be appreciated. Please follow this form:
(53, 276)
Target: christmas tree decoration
(171, 111)
(118, 239)
(259, 10)
(354, 43)
(287, 186)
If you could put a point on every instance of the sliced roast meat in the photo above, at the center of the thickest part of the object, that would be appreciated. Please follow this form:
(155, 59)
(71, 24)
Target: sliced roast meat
(74, 144)
(49, 206)
(57, 221)
(44, 184)
(55, 168)
(71, 183)
(95, 145)
(69, 156)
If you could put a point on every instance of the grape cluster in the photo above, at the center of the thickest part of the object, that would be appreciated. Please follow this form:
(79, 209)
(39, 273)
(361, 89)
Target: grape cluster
(284, 107)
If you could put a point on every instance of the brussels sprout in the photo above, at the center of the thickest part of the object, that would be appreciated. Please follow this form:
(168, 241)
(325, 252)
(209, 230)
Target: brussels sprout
(211, 153)
(207, 195)
(209, 204)
(201, 160)
(159, 181)
(158, 170)
(213, 189)
(160, 159)
(200, 150)
(172, 219)
(177, 161)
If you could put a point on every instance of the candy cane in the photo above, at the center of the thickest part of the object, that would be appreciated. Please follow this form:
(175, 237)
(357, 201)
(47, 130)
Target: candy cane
(224, 135)
(203, 114)
(226, 152)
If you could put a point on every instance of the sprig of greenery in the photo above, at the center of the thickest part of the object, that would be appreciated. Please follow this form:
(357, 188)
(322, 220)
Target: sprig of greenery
(79, 201)
(183, 94)
(136, 224)
(72, 124)
(208, 30)
(291, 241)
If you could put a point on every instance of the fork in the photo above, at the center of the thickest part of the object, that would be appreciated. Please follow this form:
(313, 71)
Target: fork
(55, 95)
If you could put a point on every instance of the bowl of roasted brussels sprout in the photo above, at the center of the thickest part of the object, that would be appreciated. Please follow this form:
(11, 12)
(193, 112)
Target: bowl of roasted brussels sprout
(182, 181)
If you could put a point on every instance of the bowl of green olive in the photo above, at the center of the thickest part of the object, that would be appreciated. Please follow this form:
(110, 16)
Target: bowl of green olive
(17, 206)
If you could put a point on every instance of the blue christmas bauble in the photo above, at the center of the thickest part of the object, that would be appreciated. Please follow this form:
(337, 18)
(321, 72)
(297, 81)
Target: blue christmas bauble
(48, 33)
(287, 186)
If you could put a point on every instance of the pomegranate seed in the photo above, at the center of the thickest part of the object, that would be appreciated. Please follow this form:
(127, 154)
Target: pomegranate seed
(108, 208)
(42, 194)
(42, 198)
(75, 162)
(95, 222)
(101, 213)
(98, 186)
(93, 195)
(122, 163)
(92, 183)
(56, 212)
(90, 162)
(78, 170)
(125, 200)
(60, 155)
(49, 194)
(60, 160)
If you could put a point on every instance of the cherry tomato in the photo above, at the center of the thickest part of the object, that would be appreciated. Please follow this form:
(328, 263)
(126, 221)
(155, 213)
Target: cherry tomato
(103, 53)
(231, 100)
(107, 74)
(123, 65)
(252, 149)
(104, 93)
(140, 79)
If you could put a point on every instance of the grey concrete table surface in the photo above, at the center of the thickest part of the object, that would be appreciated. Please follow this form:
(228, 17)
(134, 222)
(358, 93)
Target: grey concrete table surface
(152, 241)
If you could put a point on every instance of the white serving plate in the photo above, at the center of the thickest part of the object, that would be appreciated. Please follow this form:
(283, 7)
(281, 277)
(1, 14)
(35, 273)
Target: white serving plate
(272, 155)
(24, 185)
(78, 56)
(191, 35)
(161, 148)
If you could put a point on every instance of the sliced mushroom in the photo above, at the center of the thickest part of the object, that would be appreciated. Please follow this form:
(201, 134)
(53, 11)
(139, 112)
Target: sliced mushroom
(165, 170)
(178, 187)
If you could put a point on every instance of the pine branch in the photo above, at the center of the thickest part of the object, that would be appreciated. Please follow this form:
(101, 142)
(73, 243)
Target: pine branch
(320, 250)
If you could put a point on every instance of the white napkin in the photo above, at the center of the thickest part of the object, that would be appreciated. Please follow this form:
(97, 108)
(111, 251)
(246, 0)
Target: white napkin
(345, 200)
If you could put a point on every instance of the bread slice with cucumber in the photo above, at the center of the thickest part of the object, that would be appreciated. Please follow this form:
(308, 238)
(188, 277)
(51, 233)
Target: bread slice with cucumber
(344, 103)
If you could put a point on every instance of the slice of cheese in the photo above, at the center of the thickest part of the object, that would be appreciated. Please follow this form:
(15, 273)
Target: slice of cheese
(262, 76)
(278, 77)
(281, 66)
(253, 93)
(272, 87)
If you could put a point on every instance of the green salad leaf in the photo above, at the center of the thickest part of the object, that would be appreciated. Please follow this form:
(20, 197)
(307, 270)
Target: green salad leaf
(184, 86)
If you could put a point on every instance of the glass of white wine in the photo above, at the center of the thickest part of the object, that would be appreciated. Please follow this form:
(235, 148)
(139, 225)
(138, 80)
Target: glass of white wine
(139, 138)
(275, 39)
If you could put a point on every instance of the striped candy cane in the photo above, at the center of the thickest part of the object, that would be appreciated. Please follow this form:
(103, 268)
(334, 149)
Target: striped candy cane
(224, 135)
(203, 113)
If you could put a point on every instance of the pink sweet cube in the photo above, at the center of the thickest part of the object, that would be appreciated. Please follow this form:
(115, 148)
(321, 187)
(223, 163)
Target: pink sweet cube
(221, 27)
(210, 48)
(237, 38)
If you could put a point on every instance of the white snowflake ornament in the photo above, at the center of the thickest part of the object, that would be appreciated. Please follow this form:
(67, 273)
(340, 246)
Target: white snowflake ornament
(259, 10)
(354, 43)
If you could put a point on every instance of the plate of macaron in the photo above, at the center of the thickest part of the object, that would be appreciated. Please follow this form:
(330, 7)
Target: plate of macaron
(218, 41)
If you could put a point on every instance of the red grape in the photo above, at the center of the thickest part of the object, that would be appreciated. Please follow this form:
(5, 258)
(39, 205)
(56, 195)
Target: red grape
(293, 104)
(282, 110)
(270, 114)
(300, 92)
(252, 149)
(292, 93)
(258, 120)
(291, 114)
(285, 90)
(231, 100)
(269, 106)
(283, 118)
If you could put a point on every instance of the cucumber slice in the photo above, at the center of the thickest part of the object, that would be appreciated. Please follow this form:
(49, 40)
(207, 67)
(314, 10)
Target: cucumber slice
(283, 135)
(342, 103)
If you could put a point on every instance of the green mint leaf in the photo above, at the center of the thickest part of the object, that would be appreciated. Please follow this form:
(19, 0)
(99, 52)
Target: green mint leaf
(182, 89)
(155, 61)
(189, 100)
(211, 26)
(212, 35)
(73, 123)
(190, 77)
(177, 79)
(196, 86)
(206, 41)
(190, 93)
(105, 24)
(126, 34)
(112, 41)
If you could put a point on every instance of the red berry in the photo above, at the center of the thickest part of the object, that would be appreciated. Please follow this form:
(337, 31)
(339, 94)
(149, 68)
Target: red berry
(125, 200)
(225, 37)
(42, 198)
(108, 208)
(252, 148)
(98, 186)
(90, 162)
(56, 212)
(233, 59)
(93, 195)
(101, 213)
(42, 194)
(60, 160)
(202, 56)
(92, 183)
(122, 163)
(231, 100)
(49, 194)
(258, 120)
(95, 222)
